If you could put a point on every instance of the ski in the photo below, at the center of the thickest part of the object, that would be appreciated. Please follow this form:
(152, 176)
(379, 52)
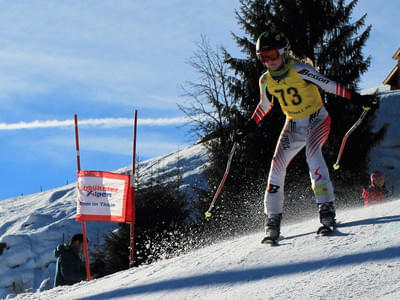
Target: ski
(268, 241)
(325, 230)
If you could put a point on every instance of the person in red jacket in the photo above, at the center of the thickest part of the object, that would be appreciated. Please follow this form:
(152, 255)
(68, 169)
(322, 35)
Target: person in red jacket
(376, 191)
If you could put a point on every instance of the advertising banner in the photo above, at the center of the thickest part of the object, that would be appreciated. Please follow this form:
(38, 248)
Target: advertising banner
(104, 196)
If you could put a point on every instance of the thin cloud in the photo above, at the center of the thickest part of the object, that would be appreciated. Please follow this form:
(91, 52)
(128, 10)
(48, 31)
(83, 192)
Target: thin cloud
(103, 122)
(58, 149)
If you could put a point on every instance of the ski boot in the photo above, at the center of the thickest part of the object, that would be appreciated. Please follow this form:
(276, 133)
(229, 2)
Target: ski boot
(327, 216)
(273, 228)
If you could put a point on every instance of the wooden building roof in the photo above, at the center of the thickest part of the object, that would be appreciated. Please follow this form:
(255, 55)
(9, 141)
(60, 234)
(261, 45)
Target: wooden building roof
(392, 75)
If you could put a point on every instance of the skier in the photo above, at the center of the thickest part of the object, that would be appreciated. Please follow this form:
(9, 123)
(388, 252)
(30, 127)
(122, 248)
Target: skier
(295, 86)
(376, 191)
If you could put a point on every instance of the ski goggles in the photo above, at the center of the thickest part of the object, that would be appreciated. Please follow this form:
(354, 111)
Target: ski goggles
(268, 55)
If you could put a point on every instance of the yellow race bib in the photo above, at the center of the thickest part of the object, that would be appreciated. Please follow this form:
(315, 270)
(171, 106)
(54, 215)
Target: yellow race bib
(297, 97)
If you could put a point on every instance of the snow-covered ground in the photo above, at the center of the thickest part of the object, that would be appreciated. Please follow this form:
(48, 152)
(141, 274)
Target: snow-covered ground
(360, 261)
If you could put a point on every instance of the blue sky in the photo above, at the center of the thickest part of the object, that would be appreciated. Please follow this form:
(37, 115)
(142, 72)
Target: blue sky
(104, 59)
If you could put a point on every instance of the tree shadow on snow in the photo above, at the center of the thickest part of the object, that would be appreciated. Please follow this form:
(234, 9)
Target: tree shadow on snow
(232, 277)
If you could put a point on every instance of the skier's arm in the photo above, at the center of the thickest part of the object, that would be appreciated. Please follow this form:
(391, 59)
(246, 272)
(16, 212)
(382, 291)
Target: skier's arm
(260, 112)
(265, 104)
(308, 73)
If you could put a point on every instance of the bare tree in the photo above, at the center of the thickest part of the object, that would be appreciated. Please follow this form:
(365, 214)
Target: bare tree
(212, 111)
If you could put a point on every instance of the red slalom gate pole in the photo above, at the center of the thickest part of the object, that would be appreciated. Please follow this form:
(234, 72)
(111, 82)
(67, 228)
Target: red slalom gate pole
(132, 225)
(78, 161)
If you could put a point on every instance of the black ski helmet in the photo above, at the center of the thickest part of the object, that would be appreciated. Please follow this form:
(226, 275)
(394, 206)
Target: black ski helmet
(273, 39)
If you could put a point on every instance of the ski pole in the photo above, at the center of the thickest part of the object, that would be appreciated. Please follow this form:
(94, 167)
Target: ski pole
(356, 124)
(228, 165)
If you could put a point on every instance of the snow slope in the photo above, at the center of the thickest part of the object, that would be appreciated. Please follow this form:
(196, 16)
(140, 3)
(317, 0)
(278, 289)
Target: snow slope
(360, 261)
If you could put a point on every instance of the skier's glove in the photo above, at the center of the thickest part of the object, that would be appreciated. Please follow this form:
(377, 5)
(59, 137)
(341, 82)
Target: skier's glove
(242, 131)
(366, 101)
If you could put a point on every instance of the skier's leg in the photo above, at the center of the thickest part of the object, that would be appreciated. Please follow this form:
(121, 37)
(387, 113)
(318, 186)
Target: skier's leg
(319, 173)
(289, 144)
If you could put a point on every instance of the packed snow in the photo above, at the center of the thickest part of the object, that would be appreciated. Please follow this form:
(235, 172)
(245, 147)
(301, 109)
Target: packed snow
(360, 261)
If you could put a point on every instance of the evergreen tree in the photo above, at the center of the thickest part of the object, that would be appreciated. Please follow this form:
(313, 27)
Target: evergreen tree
(320, 30)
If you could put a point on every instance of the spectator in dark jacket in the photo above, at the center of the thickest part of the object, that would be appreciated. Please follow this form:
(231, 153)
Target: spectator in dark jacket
(70, 268)
(376, 191)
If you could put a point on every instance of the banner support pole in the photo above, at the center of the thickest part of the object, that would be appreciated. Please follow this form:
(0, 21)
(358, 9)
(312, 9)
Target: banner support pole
(132, 224)
(78, 161)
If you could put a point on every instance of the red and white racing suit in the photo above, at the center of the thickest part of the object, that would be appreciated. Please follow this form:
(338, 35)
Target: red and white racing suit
(307, 124)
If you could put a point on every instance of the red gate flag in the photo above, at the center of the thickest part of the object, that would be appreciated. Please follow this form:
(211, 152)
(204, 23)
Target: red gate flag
(104, 196)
